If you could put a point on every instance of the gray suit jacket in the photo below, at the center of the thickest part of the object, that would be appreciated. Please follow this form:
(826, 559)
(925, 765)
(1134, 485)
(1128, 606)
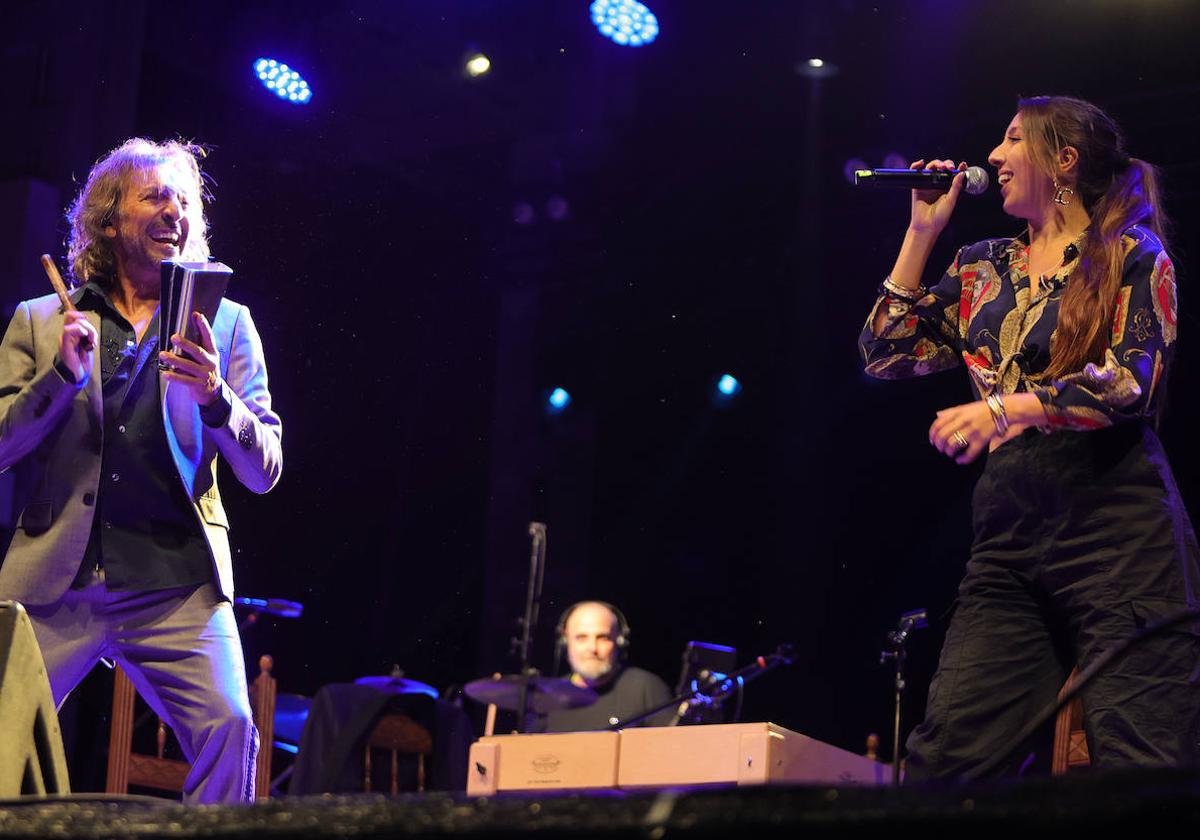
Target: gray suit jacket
(51, 435)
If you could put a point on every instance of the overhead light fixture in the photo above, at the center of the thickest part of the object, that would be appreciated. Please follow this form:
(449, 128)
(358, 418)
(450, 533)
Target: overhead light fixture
(478, 65)
(625, 22)
(816, 68)
(283, 81)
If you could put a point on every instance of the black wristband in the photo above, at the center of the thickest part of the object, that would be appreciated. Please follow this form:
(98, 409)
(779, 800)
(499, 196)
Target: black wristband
(216, 413)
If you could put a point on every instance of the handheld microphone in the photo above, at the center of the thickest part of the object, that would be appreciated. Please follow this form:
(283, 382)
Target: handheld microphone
(922, 179)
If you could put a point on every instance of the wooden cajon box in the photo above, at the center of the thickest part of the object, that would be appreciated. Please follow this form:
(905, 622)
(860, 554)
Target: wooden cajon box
(737, 753)
(575, 760)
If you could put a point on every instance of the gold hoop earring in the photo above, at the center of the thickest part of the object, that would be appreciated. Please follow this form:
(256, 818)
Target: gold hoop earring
(1063, 195)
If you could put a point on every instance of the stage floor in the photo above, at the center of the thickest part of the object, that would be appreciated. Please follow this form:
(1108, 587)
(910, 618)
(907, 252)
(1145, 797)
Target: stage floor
(1116, 802)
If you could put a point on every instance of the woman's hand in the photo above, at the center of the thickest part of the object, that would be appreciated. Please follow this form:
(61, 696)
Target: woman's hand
(964, 431)
(195, 366)
(931, 209)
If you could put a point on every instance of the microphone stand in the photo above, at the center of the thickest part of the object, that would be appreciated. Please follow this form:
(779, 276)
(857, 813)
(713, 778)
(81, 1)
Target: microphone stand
(533, 600)
(716, 688)
(898, 654)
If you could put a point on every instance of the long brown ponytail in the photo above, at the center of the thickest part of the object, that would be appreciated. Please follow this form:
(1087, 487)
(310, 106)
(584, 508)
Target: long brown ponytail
(1117, 191)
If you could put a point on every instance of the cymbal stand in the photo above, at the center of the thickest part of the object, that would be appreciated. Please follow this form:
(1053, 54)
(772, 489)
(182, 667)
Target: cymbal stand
(898, 654)
(527, 623)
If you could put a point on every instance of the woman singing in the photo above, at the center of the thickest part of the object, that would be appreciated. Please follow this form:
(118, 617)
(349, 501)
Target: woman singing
(1080, 536)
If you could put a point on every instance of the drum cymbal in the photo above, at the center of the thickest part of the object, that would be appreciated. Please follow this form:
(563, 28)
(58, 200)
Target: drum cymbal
(546, 694)
(291, 710)
(398, 685)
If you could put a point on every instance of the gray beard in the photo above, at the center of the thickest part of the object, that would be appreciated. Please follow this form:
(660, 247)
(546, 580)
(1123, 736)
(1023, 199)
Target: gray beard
(598, 672)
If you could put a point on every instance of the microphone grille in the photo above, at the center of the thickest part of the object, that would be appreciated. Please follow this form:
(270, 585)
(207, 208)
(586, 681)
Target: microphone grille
(977, 180)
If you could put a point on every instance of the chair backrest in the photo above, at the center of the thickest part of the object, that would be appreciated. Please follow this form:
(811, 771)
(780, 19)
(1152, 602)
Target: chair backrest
(400, 735)
(1070, 739)
(262, 707)
(126, 767)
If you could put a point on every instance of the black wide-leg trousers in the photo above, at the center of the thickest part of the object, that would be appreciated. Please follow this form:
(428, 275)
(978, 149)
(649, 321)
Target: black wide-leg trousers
(1081, 540)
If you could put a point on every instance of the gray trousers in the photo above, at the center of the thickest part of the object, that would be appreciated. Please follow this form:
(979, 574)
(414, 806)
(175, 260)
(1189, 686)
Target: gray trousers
(182, 652)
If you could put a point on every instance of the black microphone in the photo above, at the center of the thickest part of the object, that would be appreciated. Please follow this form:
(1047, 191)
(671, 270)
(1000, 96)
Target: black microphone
(921, 179)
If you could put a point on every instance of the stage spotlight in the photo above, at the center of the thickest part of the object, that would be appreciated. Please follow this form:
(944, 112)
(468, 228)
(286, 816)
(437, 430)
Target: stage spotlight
(478, 65)
(625, 22)
(728, 385)
(559, 399)
(283, 81)
(816, 68)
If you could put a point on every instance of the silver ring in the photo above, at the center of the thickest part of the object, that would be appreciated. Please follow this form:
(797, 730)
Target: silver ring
(960, 441)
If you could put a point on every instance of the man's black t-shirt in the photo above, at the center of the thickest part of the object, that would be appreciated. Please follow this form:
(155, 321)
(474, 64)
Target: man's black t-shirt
(633, 692)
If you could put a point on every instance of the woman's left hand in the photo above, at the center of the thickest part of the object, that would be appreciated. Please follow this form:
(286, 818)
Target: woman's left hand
(197, 367)
(963, 431)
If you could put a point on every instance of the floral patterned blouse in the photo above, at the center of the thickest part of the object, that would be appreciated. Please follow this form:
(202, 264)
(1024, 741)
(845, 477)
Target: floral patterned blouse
(987, 313)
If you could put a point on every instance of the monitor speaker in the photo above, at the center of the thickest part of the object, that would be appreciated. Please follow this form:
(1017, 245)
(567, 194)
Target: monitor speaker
(32, 761)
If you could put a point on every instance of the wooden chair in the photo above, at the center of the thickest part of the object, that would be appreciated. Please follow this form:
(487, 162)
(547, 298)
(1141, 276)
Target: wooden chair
(126, 767)
(1070, 740)
(399, 734)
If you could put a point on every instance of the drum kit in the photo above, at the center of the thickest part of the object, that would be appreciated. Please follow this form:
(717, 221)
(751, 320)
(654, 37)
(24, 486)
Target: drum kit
(542, 694)
(528, 692)
(397, 683)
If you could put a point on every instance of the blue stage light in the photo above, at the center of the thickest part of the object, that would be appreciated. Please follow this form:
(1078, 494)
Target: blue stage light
(559, 399)
(625, 22)
(283, 81)
(728, 385)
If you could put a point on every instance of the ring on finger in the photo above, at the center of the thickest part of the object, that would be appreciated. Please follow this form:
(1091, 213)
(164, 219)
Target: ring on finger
(960, 441)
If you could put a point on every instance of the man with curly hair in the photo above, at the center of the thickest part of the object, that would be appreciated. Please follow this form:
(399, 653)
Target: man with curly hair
(121, 549)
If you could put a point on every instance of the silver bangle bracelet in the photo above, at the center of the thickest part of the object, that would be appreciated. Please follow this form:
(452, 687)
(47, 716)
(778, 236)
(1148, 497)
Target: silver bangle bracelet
(910, 295)
(999, 413)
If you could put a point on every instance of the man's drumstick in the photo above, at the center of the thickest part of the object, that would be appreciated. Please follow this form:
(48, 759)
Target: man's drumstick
(61, 288)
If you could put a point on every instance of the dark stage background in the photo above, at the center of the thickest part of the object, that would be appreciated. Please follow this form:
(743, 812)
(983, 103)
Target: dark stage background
(413, 328)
